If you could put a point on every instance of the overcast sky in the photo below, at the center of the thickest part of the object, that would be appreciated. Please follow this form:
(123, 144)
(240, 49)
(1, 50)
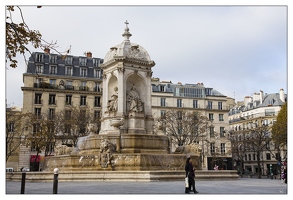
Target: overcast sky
(237, 50)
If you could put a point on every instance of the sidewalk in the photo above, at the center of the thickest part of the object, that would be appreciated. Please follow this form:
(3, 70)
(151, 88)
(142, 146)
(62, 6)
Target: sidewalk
(204, 187)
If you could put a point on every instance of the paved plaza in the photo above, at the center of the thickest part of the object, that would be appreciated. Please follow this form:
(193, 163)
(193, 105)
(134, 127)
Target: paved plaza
(242, 186)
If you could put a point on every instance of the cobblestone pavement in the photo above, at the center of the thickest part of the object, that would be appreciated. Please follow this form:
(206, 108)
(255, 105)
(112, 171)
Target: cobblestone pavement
(242, 186)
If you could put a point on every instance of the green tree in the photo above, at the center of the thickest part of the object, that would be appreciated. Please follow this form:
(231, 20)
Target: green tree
(279, 129)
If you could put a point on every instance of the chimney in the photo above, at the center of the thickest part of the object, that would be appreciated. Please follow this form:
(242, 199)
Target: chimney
(282, 95)
(261, 96)
(47, 50)
(89, 54)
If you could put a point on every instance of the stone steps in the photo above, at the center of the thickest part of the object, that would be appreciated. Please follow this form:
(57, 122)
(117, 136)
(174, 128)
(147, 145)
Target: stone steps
(125, 176)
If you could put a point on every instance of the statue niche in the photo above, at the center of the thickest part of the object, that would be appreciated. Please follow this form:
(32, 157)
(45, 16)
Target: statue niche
(113, 102)
(134, 102)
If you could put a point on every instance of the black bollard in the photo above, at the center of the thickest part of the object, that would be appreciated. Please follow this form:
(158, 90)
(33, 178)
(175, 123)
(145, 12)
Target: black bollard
(55, 184)
(22, 182)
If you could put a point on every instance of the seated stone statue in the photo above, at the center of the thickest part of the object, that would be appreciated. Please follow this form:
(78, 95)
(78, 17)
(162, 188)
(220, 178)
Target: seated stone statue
(133, 98)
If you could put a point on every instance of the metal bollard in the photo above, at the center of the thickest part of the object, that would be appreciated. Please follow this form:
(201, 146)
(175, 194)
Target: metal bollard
(55, 184)
(23, 181)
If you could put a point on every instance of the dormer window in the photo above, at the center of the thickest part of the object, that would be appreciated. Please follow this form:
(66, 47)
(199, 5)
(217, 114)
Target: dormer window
(83, 72)
(68, 60)
(39, 57)
(82, 61)
(96, 62)
(53, 59)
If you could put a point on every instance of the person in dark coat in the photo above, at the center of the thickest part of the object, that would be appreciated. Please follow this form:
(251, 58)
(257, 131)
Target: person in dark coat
(189, 172)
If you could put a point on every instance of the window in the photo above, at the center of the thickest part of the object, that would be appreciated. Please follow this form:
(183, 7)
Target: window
(36, 128)
(97, 87)
(249, 157)
(53, 82)
(220, 105)
(67, 114)
(51, 113)
(97, 73)
(162, 88)
(38, 97)
(195, 104)
(210, 105)
(33, 146)
(179, 128)
(68, 71)
(211, 116)
(52, 99)
(68, 100)
(212, 131)
(269, 112)
(268, 156)
(223, 148)
(83, 72)
(97, 115)
(96, 62)
(39, 69)
(69, 85)
(82, 100)
(11, 127)
(67, 128)
(278, 157)
(50, 147)
(97, 101)
(39, 57)
(53, 69)
(53, 59)
(212, 148)
(83, 86)
(221, 117)
(179, 103)
(179, 115)
(222, 133)
(38, 113)
(163, 114)
(68, 60)
(82, 61)
(163, 102)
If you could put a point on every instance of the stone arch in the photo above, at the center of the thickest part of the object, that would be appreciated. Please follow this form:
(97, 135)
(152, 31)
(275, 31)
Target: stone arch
(140, 84)
(112, 83)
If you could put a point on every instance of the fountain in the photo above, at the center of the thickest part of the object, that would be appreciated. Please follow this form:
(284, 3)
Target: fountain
(126, 141)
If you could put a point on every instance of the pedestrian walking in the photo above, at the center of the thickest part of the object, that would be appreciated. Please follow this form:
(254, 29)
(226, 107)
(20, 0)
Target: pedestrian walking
(189, 171)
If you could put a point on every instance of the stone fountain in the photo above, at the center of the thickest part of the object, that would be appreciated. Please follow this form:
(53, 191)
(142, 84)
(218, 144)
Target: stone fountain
(127, 141)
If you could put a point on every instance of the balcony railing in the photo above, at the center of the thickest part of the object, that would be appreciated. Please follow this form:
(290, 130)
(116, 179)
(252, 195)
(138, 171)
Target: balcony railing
(38, 101)
(83, 88)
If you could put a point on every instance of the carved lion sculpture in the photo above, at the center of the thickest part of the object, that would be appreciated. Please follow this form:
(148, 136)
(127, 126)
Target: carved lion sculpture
(107, 147)
(187, 149)
(62, 149)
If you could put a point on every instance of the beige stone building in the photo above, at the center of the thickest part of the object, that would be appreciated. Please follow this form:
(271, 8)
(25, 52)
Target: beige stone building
(259, 110)
(208, 101)
(53, 83)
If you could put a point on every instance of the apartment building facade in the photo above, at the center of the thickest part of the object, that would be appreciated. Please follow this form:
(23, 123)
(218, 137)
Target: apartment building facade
(210, 103)
(259, 110)
(54, 82)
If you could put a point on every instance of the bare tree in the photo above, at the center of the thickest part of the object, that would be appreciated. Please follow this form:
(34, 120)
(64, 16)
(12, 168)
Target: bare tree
(19, 36)
(182, 127)
(74, 123)
(14, 131)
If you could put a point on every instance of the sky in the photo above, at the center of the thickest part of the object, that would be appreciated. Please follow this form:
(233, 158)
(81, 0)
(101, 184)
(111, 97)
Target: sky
(236, 47)
(237, 50)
